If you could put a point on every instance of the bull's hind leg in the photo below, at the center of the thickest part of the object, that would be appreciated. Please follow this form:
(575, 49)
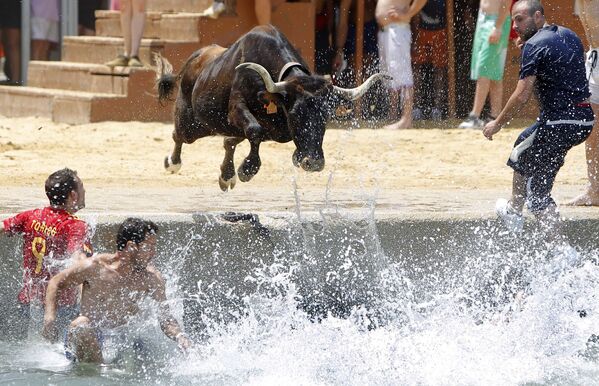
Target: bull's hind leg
(227, 178)
(172, 162)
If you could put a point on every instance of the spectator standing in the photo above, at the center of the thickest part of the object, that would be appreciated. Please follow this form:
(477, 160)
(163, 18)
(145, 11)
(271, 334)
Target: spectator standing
(430, 49)
(45, 28)
(553, 62)
(395, 38)
(489, 51)
(589, 16)
(10, 29)
(133, 19)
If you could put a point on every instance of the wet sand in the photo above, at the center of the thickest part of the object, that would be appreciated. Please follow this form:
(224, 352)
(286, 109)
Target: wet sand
(414, 173)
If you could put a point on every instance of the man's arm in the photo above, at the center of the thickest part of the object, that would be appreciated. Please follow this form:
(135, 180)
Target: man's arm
(517, 100)
(341, 33)
(168, 323)
(504, 11)
(70, 277)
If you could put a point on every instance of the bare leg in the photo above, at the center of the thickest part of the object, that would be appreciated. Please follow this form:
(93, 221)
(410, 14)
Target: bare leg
(480, 96)
(12, 50)
(40, 50)
(591, 196)
(496, 97)
(138, 21)
(518, 192)
(407, 104)
(440, 76)
(83, 340)
(126, 14)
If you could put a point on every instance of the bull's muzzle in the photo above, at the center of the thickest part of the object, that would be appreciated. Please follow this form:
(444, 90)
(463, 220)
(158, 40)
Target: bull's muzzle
(312, 165)
(309, 164)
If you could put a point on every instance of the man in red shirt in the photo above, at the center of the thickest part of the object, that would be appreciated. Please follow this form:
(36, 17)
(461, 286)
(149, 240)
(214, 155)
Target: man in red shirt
(52, 238)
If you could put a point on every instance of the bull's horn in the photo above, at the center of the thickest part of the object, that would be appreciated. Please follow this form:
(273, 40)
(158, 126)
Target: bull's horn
(354, 93)
(271, 86)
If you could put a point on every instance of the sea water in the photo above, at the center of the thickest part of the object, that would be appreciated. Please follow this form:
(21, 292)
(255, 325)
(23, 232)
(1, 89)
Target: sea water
(332, 306)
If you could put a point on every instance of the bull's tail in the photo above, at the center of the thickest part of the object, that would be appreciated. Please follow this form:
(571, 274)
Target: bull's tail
(166, 81)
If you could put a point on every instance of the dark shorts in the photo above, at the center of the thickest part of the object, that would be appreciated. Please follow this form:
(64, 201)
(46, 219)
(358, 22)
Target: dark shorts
(10, 13)
(540, 151)
(87, 12)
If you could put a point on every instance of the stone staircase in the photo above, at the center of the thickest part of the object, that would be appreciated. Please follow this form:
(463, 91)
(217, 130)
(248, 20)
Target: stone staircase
(80, 89)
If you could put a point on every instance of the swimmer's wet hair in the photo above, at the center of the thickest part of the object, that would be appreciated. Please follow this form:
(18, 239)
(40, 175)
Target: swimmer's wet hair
(59, 184)
(136, 230)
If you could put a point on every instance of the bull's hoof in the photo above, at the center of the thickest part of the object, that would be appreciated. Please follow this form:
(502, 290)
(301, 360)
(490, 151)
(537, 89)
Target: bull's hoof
(247, 170)
(170, 166)
(227, 184)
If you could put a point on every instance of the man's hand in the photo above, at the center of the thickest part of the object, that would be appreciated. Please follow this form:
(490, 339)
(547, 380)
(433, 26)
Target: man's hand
(49, 330)
(495, 36)
(491, 129)
(183, 342)
(337, 61)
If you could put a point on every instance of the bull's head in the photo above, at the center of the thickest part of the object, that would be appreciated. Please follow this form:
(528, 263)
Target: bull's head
(307, 101)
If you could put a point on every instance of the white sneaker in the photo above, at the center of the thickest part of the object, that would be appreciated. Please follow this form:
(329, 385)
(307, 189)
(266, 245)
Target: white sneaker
(472, 122)
(214, 10)
(512, 220)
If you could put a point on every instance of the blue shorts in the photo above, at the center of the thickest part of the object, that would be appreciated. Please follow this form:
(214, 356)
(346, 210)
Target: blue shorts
(540, 151)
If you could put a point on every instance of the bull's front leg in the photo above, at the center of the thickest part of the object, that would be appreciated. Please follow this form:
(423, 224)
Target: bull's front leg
(227, 177)
(241, 117)
(251, 164)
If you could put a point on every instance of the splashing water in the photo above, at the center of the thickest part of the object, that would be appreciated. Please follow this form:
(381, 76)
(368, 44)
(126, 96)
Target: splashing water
(323, 303)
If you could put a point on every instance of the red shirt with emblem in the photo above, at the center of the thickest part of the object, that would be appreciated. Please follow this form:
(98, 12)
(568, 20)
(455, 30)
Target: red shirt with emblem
(50, 237)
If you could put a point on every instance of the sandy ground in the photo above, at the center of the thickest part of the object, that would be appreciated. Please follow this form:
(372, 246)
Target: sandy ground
(415, 172)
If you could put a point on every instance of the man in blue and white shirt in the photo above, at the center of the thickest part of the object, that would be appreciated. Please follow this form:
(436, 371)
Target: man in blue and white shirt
(553, 64)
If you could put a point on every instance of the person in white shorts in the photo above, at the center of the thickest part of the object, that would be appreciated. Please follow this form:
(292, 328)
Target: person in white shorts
(44, 28)
(588, 11)
(395, 38)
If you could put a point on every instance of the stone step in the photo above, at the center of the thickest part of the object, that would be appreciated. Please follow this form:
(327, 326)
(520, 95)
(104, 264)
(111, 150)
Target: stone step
(108, 23)
(77, 107)
(73, 76)
(100, 49)
(223, 31)
(59, 105)
(179, 5)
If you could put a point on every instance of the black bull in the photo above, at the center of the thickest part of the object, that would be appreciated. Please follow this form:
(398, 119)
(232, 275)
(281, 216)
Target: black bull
(231, 92)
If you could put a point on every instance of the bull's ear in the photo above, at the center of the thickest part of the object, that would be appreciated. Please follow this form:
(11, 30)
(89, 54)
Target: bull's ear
(266, 98)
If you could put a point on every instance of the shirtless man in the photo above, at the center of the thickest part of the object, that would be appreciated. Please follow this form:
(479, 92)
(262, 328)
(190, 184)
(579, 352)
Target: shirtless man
(395, 38)
(589, 16)
(113, 284)
(489, 51)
